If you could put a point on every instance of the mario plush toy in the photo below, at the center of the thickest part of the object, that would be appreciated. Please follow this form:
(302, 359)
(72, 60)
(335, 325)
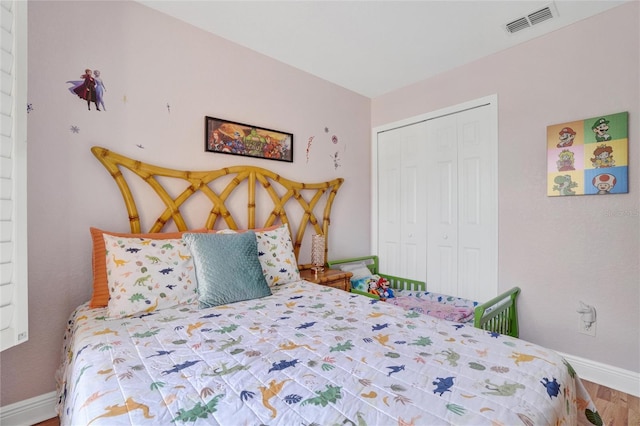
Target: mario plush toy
(385, 291)
(379, 287)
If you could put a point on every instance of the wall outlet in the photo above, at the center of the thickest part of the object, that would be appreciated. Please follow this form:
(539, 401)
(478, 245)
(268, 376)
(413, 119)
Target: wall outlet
(582, 328)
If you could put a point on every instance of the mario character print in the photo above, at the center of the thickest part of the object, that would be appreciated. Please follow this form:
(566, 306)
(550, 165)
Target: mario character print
(588, 157)
(567, 135)
(604, 183)
(606, 154)
(603, 157)
(612, 180)
(601, 129)
(566, 161)
(564, 185)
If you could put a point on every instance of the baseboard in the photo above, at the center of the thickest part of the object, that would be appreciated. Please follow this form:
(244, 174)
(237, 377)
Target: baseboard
(29, 411)
(612, 377)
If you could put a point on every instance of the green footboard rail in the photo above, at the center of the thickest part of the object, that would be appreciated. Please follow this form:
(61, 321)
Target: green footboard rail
(500, 314)
(398, 283)
(371, 262)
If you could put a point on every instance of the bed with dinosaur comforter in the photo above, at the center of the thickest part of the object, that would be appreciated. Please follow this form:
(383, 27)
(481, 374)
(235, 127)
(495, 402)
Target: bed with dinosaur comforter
(308, 354)
(216, 327)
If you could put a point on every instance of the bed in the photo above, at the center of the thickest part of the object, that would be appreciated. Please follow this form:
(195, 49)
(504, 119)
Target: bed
(500, 314)
(301, 354)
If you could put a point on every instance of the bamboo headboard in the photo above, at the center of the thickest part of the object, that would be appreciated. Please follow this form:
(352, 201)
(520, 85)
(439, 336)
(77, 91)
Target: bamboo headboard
(283, 193)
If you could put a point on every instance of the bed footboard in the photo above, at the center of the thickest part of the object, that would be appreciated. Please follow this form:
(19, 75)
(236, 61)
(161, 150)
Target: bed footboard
(399, 283)
(499, 314)
(371, 262)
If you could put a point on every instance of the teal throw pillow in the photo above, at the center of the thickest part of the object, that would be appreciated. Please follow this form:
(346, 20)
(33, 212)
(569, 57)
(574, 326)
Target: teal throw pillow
(227, 268)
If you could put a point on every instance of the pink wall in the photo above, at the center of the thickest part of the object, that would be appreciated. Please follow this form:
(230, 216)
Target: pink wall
(148, 60)
(558, 250)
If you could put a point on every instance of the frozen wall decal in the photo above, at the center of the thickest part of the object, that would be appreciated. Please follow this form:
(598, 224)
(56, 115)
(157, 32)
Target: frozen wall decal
(309, 146)
(90, 89)
(100, 89)
(336, 160)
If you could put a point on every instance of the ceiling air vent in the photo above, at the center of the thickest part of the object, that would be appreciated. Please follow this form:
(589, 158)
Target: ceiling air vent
(517, 25)
(533, 18)
(540, 16)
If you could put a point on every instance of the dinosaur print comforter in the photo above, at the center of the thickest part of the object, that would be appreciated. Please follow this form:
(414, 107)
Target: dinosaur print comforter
(308, 354)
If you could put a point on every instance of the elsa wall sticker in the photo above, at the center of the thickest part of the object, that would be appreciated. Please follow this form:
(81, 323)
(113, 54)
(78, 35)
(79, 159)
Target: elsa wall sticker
(588, 157)
(90, 89)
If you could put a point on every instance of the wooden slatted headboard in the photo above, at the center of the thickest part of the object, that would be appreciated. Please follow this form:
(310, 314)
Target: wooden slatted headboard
(284, 194)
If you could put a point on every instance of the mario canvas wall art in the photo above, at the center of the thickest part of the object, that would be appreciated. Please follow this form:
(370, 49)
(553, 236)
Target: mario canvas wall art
(588, 157)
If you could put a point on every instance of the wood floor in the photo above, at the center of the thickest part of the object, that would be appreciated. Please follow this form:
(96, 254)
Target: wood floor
(615, 408)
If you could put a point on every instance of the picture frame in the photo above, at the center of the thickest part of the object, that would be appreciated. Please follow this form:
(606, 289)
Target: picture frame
(589, 156)
(235, 138)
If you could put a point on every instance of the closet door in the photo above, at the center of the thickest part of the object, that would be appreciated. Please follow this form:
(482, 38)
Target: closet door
(462, 205)
(402, 238)
(436, 203)
(442, 206)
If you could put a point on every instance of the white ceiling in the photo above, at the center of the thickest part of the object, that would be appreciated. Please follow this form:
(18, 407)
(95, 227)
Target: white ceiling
(374, 47)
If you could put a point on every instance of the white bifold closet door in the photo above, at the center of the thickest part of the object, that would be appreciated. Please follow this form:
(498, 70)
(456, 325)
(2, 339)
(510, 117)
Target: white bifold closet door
(402, 207)
(437, 202)
(462, 207)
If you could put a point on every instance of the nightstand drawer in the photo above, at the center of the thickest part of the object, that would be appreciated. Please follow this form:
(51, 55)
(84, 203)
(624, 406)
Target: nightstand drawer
(329, 277)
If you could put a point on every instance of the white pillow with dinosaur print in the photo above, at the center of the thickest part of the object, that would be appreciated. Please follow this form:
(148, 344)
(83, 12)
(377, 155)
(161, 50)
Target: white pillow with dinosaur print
(275, 252)
(145, 275)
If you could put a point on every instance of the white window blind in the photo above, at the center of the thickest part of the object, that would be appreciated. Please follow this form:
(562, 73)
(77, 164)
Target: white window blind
(13, 174)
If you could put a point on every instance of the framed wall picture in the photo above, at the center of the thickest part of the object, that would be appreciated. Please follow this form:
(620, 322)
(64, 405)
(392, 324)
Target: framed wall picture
(231, 137)
(588, 157)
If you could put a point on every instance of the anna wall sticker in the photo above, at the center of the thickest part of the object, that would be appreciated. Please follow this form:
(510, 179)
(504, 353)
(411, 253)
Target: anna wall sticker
(90, 89)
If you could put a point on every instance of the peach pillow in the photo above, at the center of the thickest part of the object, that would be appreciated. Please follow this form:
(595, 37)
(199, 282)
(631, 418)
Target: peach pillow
(100, 297)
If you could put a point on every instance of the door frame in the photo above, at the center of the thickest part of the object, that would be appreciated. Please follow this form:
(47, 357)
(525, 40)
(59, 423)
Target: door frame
(490, 101)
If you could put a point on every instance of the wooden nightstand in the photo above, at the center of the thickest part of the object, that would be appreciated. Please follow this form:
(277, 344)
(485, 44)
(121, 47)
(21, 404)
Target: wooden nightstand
(329, 277)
